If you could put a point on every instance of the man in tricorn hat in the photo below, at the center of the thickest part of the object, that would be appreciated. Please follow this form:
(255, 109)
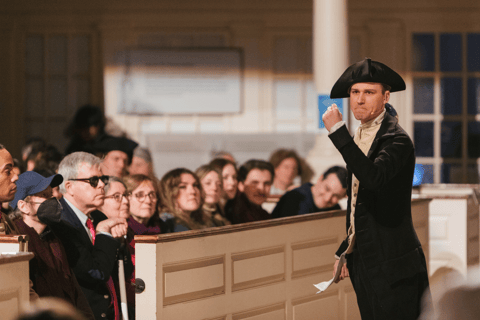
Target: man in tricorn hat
(117, 155)
(385, 260)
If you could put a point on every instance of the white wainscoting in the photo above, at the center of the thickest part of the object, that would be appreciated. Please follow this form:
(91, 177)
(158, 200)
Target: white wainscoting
(454, 226)
(14, 284)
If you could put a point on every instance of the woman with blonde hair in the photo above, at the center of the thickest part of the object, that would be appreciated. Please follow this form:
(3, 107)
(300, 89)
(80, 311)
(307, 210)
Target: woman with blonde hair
(212, 185)
(182, 199)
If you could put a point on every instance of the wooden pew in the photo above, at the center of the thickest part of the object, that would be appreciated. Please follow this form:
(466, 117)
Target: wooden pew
(14, 284)
(260, 270)
(13, 243)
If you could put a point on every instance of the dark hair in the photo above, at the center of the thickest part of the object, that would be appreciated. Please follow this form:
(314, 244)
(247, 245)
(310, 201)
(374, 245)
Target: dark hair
(220, 163)
(254, 164)
(48, 158)
(281, 154)
(86, 116)
(385, 87)
(341, 173)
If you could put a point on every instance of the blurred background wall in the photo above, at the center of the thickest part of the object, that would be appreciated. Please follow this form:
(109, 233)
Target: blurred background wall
(58, 55)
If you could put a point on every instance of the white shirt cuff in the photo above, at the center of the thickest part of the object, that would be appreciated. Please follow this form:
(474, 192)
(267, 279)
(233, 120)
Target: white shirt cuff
(105, 233)
(336, 126)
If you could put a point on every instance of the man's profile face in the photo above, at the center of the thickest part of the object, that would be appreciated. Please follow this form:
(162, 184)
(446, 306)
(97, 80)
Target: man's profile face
(8, 177)
(115, 164)
(84, 194)
(256, 186)
(367, 100)
(331, 191)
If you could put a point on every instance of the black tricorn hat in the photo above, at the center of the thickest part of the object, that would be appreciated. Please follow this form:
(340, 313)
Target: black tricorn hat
(366, 71)
(117, 143)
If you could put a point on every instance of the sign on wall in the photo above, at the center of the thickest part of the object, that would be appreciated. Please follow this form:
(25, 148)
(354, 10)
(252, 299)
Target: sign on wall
(181, 81)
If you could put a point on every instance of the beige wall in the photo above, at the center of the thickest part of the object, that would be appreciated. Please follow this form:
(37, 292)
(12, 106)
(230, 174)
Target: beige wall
(275, 37)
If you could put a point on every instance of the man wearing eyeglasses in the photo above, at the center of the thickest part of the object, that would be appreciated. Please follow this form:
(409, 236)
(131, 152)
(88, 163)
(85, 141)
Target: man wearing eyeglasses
(91, 252)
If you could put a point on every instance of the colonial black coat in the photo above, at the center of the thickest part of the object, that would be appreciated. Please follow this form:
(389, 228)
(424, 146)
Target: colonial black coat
(385, 236)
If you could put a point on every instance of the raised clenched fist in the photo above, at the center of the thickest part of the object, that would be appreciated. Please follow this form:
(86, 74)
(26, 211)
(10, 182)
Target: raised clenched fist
(331, 116)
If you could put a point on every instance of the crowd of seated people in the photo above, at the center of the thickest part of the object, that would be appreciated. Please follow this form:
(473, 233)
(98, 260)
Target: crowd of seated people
(82, 211)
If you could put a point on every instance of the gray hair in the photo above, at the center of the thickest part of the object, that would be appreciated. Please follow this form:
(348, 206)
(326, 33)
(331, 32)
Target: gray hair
(143, 153)
(1, 147)
(113, 179)
(69, 166)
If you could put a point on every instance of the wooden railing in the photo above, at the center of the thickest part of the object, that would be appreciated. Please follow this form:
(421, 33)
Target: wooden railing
(13, 243)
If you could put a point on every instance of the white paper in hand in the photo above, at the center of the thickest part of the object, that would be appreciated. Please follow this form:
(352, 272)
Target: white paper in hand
(322, 286)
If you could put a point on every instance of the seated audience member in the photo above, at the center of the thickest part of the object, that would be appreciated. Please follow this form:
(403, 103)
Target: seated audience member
(229, 178)
(287, 167)
(91, 250)
(142, 193)
(181, 200)
(255, 178)
(8, 187)
(16, 170)
(117, 155)
(117, 204)
(144, 219)
(86, 129)
(141, 162)
(211, 181)
(309, 198)
(49, 269)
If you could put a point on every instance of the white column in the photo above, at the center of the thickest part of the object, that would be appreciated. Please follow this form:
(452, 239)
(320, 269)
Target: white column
(330, 42)
(330, 59)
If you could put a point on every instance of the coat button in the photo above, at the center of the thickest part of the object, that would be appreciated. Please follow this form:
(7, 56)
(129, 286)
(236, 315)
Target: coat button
(104, 315)
(106, 296)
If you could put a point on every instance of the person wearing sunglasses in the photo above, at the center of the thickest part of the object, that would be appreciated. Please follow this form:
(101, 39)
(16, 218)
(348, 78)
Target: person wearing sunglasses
(91, 246)
(50, 272)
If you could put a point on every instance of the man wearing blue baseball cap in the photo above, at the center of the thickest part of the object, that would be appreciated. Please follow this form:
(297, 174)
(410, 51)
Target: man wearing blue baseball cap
(49, 269)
